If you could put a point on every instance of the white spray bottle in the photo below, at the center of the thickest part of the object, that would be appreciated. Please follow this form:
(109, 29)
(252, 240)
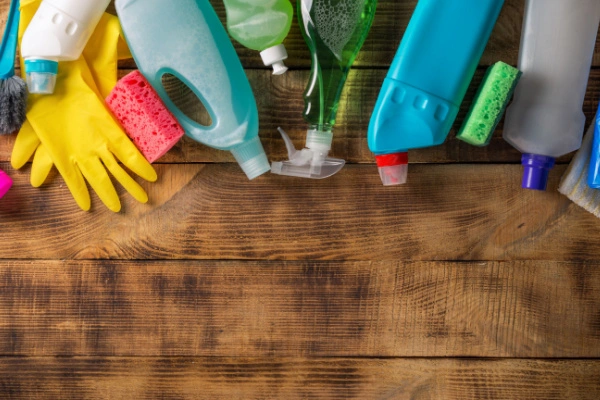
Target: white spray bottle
(545, 120)
(59, 31)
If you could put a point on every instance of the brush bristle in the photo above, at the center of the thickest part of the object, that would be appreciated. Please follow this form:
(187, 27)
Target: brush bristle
(13, 104)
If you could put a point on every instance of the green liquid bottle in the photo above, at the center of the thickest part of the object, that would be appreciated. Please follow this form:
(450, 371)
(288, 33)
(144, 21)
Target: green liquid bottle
(261, 25)
(335, 31)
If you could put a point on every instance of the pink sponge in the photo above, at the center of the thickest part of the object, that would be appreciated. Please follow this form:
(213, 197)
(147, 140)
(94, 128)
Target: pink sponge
(147, 121)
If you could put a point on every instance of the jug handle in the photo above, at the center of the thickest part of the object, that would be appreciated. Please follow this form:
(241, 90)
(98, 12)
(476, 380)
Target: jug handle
(193, 129)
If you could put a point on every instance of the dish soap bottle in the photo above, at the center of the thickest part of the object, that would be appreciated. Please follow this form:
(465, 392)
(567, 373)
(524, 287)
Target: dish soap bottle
(335, 31)
(186, 39)
(428, 80)
(545, 120)
(261, 25)
(59, 31)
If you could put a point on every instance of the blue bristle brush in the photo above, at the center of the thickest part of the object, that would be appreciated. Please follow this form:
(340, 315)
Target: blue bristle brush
(13, 90)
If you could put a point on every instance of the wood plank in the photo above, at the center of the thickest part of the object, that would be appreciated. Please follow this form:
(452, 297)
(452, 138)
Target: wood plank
(446, 212)
(391, 20)
(281, 104)
(300, 309)
(192, 378)
(390, 23)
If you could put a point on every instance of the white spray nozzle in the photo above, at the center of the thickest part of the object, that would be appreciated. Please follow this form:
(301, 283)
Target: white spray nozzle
(311, 162)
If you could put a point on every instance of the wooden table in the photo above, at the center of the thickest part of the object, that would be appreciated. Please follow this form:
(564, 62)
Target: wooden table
(459, 285)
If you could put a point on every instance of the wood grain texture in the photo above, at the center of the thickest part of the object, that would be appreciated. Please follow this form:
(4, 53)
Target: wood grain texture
(246, 379)
(281, 104)
(170, 317)
(446, 212)
(391, 20)
(298, 309)
(388, 28)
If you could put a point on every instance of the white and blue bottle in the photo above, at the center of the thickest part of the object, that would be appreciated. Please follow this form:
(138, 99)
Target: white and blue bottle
(59, 31)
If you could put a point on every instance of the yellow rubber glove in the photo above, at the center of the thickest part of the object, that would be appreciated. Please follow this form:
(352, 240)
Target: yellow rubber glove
(73, 130)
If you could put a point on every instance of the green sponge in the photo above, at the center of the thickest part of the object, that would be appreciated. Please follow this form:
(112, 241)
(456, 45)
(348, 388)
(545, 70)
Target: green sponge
(490, 102)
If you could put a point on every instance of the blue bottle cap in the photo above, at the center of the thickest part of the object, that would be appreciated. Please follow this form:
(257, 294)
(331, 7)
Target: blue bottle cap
(39, 65)
(537, 170)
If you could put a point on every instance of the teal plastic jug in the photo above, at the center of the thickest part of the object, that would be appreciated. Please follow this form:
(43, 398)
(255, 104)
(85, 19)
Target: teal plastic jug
(185, 38)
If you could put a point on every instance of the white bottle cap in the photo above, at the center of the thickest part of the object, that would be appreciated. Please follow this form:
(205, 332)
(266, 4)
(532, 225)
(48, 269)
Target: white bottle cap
(274, 57)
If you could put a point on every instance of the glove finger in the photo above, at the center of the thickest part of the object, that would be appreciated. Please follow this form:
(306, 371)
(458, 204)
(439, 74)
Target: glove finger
(25, 146)
(98, 178)
(132, 187)
(130, 156)
(100, 53)
(76, 184)
(42, 164)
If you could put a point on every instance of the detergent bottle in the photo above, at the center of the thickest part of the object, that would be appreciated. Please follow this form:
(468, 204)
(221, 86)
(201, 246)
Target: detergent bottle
(428, 80)
(186, 39)
(59, 31)
(262, 25)
(545, 120)
(335, 31)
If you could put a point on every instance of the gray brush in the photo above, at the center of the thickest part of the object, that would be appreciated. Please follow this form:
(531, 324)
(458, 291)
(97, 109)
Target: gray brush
(13, 104)
(13, 91)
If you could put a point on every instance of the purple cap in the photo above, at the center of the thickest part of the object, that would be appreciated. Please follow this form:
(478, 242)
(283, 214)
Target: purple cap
(537, 169)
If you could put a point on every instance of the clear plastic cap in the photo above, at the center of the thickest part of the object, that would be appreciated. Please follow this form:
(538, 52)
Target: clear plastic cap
(311, 162)
(5, 183)
(393, 168)
(41, 75)
(274, 57)
(394, 175)
(252, 158)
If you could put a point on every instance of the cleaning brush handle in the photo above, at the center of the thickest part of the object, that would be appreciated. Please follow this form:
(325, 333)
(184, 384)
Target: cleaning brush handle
(8, 48)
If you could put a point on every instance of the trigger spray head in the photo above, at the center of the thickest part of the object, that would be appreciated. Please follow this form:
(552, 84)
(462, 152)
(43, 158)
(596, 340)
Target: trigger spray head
(311, 162)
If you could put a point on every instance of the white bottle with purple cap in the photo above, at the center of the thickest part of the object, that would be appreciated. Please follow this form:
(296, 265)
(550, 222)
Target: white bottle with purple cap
(545, 120)
(59, 31)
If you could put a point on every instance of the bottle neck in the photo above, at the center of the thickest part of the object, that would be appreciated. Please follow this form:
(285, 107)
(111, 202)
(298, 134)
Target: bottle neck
(320, 127)
(319, 138)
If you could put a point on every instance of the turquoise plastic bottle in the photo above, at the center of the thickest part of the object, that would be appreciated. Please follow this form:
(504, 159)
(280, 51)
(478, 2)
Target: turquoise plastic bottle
(428, 80)
(185, 38)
